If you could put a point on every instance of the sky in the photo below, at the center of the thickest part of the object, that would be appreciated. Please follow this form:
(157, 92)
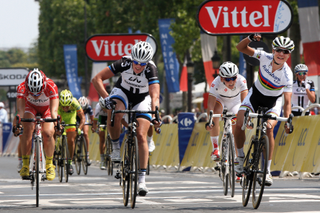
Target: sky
(18, 23)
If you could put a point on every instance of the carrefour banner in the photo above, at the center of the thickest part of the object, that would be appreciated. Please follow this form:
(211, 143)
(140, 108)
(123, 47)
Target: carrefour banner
(171, 63)
(6, 130)
(186, 122)
(71, 64)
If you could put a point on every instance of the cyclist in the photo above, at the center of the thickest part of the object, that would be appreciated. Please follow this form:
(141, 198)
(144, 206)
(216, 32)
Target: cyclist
(139, 85)
(274, 79)
(37, 95)
(69, 109)
(101, 116)
(303, 90)
(227, 90)
(88, 112)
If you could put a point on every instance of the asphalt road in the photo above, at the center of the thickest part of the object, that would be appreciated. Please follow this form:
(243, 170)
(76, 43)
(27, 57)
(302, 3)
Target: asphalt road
(169, 190)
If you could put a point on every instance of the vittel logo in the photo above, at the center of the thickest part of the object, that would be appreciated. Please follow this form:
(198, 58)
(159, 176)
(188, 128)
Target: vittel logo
(244, 16)
(236, 17)
(111, 48)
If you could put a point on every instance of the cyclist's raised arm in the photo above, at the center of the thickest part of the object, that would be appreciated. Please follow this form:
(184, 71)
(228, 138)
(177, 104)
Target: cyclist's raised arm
(243, 46)
(287, 104)
(97, 81)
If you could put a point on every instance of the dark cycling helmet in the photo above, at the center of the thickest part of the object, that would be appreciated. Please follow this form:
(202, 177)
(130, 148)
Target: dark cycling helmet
(228, 70)
(283, 43)
(66, 98)
(35, 82)
(142, 52)
(301, 68)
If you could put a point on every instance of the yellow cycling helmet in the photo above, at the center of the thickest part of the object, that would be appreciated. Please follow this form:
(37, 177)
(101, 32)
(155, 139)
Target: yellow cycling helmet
(65, 98)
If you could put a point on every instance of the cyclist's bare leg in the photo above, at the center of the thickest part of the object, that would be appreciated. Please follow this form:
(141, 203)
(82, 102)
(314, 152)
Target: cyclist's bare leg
(142, 131)
(102, 136)
(115, 130)
(150, 131)
(86, 135)
(239, 135)
(71, 136)
(270, 127)
(26, 137)
(48, 140)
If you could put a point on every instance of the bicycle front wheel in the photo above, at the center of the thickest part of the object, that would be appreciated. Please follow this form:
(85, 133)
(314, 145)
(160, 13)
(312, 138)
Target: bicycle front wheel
(66, 157)
(134, 167)
(84, 155)
(224, 165)
(246, 181)
(60, 157)
(125, 177)
(77, 156)
(231, 172)
(37, 170)
(108, 151)
(260, 167)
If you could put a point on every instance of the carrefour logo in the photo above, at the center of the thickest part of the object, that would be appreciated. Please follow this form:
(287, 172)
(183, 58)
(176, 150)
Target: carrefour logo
(6, 128)
(186, 122)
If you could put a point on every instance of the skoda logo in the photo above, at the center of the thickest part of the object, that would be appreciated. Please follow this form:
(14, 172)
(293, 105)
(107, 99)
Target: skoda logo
(186, 122)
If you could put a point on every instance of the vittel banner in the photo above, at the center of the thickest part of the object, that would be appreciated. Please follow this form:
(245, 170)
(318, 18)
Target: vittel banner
(111, 47)
(244, 16)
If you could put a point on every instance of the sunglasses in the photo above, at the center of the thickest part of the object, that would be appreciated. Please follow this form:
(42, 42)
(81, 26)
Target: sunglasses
(284, 51)
(302, 73)
(230, 79)
(36, 94)
(141, 64)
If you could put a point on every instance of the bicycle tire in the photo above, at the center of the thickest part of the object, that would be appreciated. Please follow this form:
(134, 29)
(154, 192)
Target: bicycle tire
(125, 175)
(108, 150)
(148, 166)
(261, 165)
(77, 156)
(134, 167)
(37, 170)
(59, 162)
(246, 182)
(223, 168)
(66, 158)
(84, 156)
(232, 178)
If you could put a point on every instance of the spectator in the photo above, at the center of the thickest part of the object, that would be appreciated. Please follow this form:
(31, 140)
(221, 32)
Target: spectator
(3, 114)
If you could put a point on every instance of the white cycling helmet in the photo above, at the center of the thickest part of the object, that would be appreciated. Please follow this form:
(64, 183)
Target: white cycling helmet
(35, 81)
(102, 103)
(228, 70)
(300, 68)
(283, 43)
(84, 102)
(142, 52)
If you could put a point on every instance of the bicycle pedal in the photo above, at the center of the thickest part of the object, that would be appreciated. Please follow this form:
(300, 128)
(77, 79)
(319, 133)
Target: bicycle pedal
(117, 176)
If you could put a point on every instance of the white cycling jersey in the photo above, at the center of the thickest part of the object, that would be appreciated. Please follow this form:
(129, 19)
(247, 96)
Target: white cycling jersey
(272, 83)
(299, 94)
(228, 98)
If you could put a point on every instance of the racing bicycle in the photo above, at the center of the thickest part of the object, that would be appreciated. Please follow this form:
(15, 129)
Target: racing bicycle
(37, 163)
(226, 163)
(129, 164)
(256, 160)
(80, 156)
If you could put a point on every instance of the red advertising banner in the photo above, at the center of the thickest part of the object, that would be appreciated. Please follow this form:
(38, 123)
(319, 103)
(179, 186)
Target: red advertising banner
(244, 16)
(111, 47)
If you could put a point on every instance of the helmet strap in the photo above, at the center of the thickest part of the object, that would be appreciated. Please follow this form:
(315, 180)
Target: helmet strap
(275, 62)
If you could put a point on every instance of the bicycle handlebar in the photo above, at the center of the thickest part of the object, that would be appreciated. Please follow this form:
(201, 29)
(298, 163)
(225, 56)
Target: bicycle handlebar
(38, 119)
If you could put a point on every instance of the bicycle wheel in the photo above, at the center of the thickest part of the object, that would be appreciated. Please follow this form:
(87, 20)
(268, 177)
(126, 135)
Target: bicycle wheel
(260, 166)
(125, 174)
(83, 155)
(37, 170)
(108, 150)
(231, 172)
(66, 157)
(60, 156)
(134, 167)
(148, 166)
(224, 167)
(77, 156)
(246, 181)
